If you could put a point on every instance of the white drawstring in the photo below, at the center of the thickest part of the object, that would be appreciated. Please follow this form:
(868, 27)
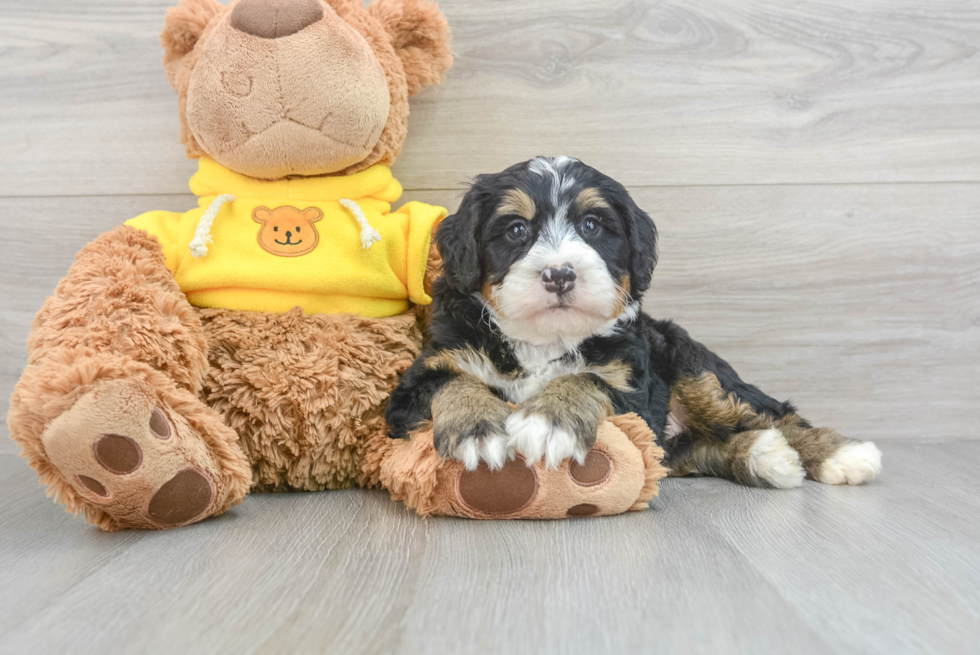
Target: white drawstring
(202, 235)
(368, 234)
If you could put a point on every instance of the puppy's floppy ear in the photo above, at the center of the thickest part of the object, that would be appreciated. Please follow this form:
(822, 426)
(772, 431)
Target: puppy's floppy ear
(643, 244)
(185, 24)
(420, 35)
(456, 239)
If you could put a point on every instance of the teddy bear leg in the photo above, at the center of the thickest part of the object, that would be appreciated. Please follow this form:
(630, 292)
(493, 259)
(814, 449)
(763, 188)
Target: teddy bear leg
(107, 410)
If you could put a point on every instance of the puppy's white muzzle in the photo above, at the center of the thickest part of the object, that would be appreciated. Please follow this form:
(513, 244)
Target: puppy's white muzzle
(561, 290)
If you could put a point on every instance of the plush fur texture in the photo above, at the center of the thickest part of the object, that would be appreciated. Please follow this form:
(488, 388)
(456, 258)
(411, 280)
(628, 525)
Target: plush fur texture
(305, 392)
(545, 267)
(629, 474)
(331, 97)
(119, 316)
(139, 410)
(278, 401)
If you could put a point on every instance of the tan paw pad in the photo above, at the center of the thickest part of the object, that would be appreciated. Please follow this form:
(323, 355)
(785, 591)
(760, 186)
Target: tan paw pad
(126, 453)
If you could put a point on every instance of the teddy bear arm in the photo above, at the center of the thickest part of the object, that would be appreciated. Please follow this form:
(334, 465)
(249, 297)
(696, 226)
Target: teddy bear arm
(120, 297)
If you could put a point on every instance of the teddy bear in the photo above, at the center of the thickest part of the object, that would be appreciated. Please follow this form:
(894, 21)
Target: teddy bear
(250, 343)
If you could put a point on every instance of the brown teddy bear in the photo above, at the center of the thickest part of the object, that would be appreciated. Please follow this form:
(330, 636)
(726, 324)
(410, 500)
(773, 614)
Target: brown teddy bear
(139, 408)
(251, 342)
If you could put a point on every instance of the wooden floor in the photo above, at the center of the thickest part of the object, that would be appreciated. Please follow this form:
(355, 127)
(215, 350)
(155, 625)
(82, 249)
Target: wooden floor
(814, 170)
(711, 568)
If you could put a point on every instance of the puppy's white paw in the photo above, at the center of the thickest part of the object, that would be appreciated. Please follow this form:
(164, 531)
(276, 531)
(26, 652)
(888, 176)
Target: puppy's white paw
(853, 463)
(494, 451)
(491, 449)
(772, 459)
(535, 437)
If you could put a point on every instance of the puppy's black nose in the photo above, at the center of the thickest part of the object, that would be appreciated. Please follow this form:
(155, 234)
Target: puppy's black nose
(288, 234)
(559, 280)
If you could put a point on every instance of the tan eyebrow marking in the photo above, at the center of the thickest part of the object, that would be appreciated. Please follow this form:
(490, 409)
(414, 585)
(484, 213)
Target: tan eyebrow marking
(517, 202)
(590, 198)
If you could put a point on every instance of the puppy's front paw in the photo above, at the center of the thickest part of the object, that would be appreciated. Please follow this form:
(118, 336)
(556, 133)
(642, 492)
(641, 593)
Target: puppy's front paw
(472, 440)
(469, 424)
(471, 450)
(536, 436)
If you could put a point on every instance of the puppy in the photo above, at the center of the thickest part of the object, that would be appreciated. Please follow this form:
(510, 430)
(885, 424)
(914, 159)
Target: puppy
(545, 266)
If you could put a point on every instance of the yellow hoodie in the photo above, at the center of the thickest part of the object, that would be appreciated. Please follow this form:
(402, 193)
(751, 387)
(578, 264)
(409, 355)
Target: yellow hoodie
(328, 244)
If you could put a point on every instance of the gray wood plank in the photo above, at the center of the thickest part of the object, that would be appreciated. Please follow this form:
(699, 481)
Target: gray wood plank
(859, 302)
(893, 567)
(621, 586)
(708, 92)
(834, 554)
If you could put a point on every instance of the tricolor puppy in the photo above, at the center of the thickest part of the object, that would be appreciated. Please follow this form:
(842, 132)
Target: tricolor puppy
(545, 266)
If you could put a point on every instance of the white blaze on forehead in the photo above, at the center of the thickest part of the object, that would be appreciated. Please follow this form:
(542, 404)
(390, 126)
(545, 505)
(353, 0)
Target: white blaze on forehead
(556, 169)
(550, 165)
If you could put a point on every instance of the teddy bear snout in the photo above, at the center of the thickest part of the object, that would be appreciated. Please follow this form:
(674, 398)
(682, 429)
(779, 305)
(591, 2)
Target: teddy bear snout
(273, 19)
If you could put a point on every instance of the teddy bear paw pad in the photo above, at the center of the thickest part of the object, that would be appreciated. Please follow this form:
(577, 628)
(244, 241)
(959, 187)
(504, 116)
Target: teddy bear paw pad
(127, 455)
(593, 471)
(583, 509)
(182, 498)
(118, 454)
(498, 493)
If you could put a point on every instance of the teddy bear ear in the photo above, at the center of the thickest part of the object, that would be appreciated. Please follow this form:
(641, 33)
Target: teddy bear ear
(312, 214)
(184, 25)
(420, 35)
(261, 214)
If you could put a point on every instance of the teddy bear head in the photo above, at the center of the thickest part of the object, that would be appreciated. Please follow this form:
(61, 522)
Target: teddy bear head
(273, 88)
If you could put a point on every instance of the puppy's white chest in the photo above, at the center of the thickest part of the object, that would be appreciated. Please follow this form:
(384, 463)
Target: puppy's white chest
(541, 365)
(525, 387)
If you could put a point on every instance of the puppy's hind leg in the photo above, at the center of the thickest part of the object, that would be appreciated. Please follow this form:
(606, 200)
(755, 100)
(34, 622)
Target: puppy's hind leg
(828, 456)
(712, 432)
(755, 458)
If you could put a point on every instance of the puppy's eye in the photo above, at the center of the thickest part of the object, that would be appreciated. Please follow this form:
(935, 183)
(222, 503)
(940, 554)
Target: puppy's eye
(275, 229)
(297, 228)
(517, 231)
(591, 226)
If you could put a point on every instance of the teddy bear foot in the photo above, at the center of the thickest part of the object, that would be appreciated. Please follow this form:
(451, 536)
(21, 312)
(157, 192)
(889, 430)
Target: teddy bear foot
(621, 473)
(128, 455)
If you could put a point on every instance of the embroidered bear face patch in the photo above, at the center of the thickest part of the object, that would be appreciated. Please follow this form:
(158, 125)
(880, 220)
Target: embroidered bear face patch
(287, 231)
